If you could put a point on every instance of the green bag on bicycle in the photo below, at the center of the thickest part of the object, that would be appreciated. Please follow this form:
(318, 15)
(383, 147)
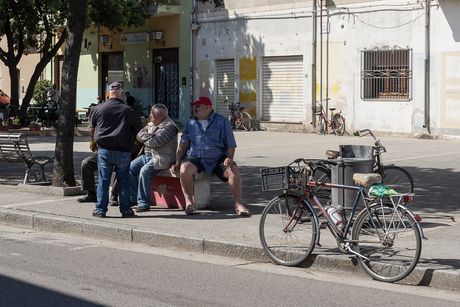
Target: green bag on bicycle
(380, 190)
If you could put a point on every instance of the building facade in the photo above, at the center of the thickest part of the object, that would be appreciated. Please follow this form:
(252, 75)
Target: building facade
(390, 66)
(153, 69)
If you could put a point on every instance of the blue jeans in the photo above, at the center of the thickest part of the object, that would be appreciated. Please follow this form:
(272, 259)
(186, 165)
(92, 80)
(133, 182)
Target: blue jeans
(107, 161)
(142, 166)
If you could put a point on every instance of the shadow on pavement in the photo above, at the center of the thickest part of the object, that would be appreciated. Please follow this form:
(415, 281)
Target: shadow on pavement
(19, 293)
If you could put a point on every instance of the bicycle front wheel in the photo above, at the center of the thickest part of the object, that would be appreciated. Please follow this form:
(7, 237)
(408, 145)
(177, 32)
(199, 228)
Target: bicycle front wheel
(246, 121)
(287, 230)
(398, 179)
(338, 124)
(320, 124)
(389, 239)
(231, 119)
(322, 174)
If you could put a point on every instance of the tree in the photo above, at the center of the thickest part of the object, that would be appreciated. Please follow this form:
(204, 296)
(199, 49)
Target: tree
(81, 13)
(33, 25)
(29, 25)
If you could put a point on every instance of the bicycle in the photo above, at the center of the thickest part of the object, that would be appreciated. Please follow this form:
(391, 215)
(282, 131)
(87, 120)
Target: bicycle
(239, 118)
(143, 111)
(336, 123)
(48, 114)
(385, 237)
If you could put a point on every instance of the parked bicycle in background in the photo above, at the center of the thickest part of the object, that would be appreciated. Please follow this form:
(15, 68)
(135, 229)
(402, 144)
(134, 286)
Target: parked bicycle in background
(394, 177)
(143, 110)
(238, 117)
(336, 122)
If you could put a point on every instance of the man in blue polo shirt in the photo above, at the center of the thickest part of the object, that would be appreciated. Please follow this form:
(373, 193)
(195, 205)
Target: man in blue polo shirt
(208, 144)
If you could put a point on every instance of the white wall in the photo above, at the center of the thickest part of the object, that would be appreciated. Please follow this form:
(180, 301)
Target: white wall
(257, 28)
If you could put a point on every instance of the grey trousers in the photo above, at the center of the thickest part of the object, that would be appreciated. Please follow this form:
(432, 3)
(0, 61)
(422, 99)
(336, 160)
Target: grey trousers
(88, 168)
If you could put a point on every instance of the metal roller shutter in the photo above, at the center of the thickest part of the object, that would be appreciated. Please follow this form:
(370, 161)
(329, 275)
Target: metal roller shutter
(225, 86)
(282, 84)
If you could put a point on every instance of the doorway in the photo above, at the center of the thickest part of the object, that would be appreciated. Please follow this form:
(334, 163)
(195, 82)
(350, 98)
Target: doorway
(166, 79)
(112, 70)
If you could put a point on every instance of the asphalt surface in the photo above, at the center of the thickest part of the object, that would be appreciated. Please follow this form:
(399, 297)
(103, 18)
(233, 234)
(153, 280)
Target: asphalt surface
(433, 163)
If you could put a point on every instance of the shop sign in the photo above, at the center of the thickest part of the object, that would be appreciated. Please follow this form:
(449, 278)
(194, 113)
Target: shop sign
(134, 38)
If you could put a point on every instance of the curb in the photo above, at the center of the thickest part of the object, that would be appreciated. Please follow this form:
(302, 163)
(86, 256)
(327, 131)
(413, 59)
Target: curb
(432, 276)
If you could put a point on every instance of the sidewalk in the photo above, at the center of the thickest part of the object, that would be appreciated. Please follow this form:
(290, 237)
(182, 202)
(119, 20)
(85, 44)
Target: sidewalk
(218, 230)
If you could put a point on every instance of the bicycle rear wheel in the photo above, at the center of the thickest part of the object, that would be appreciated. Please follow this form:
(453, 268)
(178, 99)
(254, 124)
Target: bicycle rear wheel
(320, 124)
(390, 240)
(287, 230)
(338, 124)
(246, 121)
(398, 179)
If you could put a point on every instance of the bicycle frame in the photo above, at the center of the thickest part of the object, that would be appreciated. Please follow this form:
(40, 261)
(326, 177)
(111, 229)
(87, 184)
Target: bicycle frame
(236, 115)
(360, 194)
(324, 116)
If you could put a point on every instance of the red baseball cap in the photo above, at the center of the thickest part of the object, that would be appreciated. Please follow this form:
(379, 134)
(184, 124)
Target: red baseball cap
(202, 100)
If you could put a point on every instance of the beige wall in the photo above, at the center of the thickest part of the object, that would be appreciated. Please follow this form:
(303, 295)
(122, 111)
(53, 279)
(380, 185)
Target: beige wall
(450, 90)
(26, 68)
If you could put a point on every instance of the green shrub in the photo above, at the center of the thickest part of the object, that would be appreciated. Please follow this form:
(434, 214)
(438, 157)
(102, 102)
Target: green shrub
(41, 90)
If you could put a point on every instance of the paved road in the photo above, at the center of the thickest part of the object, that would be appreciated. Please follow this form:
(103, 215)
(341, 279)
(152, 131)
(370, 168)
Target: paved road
(43, 269)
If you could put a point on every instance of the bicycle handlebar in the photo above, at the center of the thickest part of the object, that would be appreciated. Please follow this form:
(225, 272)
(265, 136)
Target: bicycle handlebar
(313, 162)
(368, 131)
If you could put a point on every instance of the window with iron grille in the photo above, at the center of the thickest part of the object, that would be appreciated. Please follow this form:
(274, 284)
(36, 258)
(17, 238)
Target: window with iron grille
(386, 74)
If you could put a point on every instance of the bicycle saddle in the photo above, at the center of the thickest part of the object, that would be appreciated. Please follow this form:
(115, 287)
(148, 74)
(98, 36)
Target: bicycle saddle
(366, 180)
(331, 109)
(332, 154)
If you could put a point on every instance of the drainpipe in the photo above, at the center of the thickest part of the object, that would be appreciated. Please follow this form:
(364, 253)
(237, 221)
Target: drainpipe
(313, 64)
(427, 67)
(193, 48)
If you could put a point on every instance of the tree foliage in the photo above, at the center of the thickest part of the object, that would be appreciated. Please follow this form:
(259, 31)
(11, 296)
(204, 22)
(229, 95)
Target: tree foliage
(32, 26)
(40, 91)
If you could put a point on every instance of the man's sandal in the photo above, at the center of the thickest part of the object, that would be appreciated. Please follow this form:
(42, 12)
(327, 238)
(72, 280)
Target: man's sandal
(243, 212)
(190, 209)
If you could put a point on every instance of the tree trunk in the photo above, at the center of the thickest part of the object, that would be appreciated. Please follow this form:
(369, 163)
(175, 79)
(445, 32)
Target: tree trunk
(14, 88)
(63, 171)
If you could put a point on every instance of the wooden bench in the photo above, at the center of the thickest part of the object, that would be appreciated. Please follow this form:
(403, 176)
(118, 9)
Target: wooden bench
(167, 191)
(15, 148)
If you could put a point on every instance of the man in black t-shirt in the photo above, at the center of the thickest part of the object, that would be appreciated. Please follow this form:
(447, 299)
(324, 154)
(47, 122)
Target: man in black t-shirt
(115, 128)
(130, 100)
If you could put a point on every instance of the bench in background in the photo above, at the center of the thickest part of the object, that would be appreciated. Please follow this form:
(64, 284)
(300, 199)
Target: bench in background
(15, 148)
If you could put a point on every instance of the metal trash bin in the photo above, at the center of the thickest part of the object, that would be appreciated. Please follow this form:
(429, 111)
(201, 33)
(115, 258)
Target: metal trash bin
(352, 159)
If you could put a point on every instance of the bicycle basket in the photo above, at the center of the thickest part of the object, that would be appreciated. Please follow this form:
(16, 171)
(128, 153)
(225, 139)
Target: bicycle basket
(283, 178)
(318, 107)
